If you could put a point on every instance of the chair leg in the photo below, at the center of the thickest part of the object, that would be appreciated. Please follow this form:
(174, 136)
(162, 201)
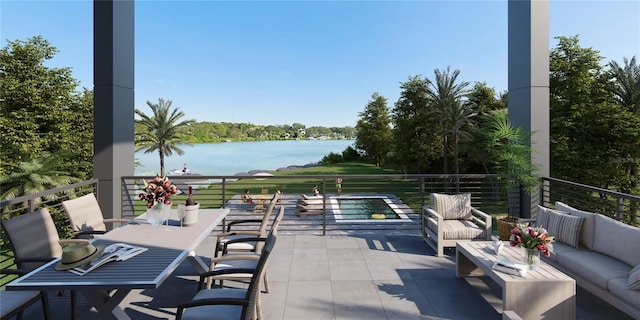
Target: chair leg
(266, 283)
(45, 305)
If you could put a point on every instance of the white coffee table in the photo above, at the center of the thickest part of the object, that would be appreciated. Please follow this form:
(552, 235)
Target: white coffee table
(545, 293)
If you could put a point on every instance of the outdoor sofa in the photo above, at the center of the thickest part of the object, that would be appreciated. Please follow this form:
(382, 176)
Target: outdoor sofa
(600, 253)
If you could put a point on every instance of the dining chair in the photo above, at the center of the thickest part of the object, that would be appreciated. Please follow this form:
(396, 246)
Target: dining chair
(86, 217)
(229, 261)
(13, 303)
(244, 246)
(34, 240)
(229, 303)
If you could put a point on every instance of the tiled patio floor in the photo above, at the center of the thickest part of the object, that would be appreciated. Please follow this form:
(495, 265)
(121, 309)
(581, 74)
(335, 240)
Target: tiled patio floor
(367, 276)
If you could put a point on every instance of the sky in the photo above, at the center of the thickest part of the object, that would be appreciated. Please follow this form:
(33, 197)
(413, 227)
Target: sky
(311, 62)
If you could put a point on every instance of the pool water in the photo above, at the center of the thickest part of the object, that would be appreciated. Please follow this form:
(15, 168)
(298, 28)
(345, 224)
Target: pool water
(363, 208)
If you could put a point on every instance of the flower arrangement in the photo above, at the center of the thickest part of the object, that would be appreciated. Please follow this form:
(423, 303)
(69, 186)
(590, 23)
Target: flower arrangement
(158, 190)
(531, 238)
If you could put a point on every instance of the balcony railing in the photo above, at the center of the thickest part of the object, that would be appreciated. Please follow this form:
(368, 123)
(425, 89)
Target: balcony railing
(412, 190)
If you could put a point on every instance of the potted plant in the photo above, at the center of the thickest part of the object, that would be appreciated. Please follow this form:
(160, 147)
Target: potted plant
(506, 153)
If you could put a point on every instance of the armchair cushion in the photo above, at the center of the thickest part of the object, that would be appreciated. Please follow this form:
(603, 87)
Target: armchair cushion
(452, 207)
(457, 229)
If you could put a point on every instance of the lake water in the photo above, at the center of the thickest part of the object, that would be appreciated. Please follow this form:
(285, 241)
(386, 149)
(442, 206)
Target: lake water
(230, 158)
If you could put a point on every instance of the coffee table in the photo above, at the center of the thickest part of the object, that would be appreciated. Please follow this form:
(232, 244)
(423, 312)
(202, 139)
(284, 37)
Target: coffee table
(545, 293)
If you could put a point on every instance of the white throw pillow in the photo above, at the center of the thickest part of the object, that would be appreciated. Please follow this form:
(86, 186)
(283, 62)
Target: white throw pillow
(452, 207)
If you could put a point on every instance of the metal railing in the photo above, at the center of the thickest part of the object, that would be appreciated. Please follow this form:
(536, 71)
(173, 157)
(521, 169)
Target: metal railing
(412, 190)
(620, 206)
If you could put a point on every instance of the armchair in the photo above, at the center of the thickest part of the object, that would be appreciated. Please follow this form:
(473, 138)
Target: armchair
(451, 219)
(86, 217)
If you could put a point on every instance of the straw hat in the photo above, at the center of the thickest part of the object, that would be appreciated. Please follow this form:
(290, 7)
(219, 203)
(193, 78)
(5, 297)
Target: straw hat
(78, 254)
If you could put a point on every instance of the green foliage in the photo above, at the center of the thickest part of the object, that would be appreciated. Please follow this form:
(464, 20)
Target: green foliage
(594, 133)
(374, 130)
(40, 113)
(625, 86)
(162, 131)
(332, 158)
(453, 113)
(416, 144)
(35, 176)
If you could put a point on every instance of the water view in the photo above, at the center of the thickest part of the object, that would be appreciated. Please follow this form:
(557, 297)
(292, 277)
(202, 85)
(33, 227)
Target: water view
(230, 158)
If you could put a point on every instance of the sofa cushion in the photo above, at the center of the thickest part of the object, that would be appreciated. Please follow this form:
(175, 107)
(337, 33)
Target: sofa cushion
(596, 267)
(560, 249)
(452, 206)
(618, 286)
(457, 229)
(633, 283)
(588, 226)
(617, 239)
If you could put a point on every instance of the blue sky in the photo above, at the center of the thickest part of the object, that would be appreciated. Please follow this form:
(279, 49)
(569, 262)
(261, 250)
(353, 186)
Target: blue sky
(311, 62)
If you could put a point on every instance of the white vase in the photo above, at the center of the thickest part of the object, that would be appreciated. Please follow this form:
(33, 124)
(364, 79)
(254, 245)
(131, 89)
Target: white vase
(155, 214)
(190, 215)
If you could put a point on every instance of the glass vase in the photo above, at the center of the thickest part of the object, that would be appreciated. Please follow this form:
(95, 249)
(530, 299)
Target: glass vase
(155, 214)
(531, 257)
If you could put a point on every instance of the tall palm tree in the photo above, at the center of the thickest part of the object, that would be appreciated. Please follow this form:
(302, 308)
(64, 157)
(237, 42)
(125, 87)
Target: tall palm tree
(460, 119)
(34, 176)
(447, 97)
(626, 84)
(162, 131)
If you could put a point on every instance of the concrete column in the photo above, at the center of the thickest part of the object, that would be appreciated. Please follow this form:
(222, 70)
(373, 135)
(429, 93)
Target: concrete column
(529, 80)
(113, 78)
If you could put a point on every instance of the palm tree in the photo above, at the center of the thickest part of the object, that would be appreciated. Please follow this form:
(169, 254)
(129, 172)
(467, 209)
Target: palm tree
(453, 114)
(459, 118)
(34, 176)
(626, 84)
(162, 131)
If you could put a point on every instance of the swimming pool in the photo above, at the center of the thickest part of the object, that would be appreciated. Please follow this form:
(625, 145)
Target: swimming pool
(366, 208)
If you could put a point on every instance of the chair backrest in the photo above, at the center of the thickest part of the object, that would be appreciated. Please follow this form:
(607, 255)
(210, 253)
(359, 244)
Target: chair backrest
(254, 285)
(84, 213)
(32, 236)
(267, 216)
(274, 229)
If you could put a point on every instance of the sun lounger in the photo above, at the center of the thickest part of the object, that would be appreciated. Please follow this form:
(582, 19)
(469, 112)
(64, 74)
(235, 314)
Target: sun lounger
(306, 197)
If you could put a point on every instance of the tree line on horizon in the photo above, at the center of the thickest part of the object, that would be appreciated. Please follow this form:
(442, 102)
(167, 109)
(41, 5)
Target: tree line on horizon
(435, 126)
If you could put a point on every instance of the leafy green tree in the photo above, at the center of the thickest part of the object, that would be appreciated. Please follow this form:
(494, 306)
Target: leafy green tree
(374, 130)
(625, 85)
(416, 143)
(35, 176)
(485, 98)
(162, 131)
(593, 139)
(40, 112)
(453, 113)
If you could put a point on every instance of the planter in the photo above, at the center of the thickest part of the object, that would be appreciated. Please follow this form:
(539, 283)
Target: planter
(504, 227)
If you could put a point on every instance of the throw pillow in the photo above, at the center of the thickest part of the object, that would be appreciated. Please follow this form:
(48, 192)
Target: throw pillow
(634, 278)
(564, 228)
(542, 217)
(452, 207)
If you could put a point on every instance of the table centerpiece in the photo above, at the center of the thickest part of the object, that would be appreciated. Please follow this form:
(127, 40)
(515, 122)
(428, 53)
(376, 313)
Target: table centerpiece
(157, 193)
(533, 240)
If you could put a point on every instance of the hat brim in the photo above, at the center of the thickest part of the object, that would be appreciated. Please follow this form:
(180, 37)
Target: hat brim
(66, 266)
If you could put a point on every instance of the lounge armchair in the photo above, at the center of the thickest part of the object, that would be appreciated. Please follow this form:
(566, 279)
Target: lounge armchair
(229, 303)
(451, 219)
(86, 217)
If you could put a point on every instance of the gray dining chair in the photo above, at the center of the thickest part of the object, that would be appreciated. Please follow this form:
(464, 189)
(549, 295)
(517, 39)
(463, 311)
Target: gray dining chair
(34, 240)
(86, 217)
(229, 261)
(13, 303)
(244, 246)
(229, 303)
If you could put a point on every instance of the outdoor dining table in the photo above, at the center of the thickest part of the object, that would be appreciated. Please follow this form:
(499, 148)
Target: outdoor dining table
(106, 286)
